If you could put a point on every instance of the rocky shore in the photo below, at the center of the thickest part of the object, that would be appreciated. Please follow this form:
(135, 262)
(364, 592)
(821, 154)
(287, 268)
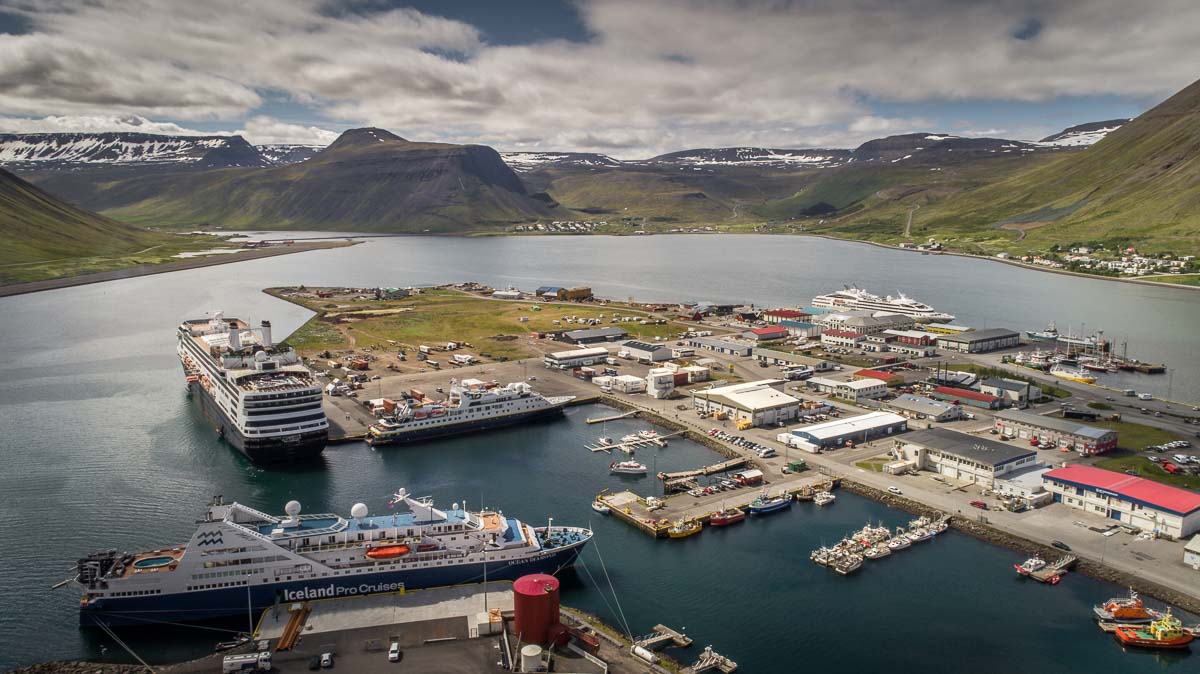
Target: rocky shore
(994, 536)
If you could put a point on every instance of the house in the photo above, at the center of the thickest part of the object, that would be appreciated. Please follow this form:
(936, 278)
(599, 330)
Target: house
(842, 338)
(1017, 393)
(918, 407)
(766, 334)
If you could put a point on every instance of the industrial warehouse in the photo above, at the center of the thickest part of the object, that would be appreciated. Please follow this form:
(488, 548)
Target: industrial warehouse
(918, 407)
(566, 360)
(1132, 500)
(854, 391)
(758, 403)
(843, 432)
(1056, 432)
(960, 456)
(979, 341)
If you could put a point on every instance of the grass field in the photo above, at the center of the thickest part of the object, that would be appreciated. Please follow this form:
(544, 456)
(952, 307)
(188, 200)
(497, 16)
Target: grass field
(984, 372)
(1178, 279)
(1137, 436)
(438, 316)
(1149, 470)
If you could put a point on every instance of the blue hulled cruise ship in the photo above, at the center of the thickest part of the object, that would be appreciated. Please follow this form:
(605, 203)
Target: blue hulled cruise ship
(241, 559)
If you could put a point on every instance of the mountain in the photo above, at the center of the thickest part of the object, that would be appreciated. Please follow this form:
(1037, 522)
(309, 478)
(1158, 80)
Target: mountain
(287, 154)
(366, 180)
(754, 156)
(64, 150)
(530, 161)
(36, 227)
(1139, 185)
(938, 148)
(1084, 134)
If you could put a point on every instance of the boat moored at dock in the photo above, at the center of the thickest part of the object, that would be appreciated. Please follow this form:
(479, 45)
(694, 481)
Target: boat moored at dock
(240, 559)
(765, 505)
(471, 405)
(727, 516)
(1127, 610)
(256, 393)
(854, 298)
(1166, 632)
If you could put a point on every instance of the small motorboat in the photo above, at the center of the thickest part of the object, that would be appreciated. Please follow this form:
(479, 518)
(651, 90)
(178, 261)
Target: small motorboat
(727, 516)
(647, 435)
(605, 440)
(601, 507)
(627, 468)
(684, 528)
(823, 498)
(629, 438)
(1030, 565)
(388, 551)
(1166, 632)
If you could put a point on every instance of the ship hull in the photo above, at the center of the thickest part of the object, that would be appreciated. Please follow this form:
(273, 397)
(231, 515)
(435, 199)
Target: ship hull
(460, 428)
(244, 601)
(296, 448)
(767, 510)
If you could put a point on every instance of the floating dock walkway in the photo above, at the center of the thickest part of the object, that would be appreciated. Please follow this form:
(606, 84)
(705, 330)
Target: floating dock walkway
(710, 660)
(715, 468)
(1052, 573)
(632, 446)
(654, 521)
(663, 635)
(614, 417)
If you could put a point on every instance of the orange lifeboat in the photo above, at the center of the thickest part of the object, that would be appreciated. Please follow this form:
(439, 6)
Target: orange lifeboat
(388, 552)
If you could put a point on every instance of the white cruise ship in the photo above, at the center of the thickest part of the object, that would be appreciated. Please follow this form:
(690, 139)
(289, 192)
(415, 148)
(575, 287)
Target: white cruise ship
(240, 559)
(255, 392)
(471, 405)
(857, 298)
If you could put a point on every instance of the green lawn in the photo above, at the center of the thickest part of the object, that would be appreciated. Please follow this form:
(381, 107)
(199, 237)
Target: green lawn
(438, 316)
(1137, 436)
(1179, 279)
(1148, 469)
(874, 464)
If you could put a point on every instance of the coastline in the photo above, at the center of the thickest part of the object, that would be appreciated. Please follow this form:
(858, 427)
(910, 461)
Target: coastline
(150, 269)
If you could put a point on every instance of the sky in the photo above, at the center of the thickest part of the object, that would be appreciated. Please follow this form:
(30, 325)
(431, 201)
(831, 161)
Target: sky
(628, 78)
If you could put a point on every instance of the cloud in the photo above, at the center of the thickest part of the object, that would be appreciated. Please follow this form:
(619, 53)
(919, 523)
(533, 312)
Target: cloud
(650, 78)
(259, 130)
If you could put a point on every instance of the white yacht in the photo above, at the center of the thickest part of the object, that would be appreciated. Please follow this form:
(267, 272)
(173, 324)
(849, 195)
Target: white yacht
(856, 298)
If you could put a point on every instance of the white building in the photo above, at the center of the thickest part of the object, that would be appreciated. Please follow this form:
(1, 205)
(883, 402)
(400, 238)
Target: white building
(854, 391)
(627, 383)
(660, 382)
(959, 456)
(1135, 501)
(840, 432)
(1025, 485)
(761, 403)
(647, 351)
(918, 407)
(567, 360)
(1191, 553)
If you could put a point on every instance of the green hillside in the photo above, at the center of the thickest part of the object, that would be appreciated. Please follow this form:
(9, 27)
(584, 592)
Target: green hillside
(368, 180)
(1139, 185)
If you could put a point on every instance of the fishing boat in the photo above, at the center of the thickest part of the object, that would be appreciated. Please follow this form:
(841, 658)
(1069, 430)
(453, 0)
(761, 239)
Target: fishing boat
(632, 437)
(684, 528)
(919, 535)
(1127, 610)
(822, 498)
(821, 555)
(727, 516)
(1063, 371)
(1166, 632)
(648, 435)
(848, 564)
(1030, 565)
(898, 542)
(601, 507)
(877, 551)
(765, 505)
(627, 468)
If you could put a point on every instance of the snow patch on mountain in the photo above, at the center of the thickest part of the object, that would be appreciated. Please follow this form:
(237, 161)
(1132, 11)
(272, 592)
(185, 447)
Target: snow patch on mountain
(1083, 134)
(49, 149)
(529, 161)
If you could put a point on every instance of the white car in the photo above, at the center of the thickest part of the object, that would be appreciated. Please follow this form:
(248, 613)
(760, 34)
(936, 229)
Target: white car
(895, 490)
(394, 652)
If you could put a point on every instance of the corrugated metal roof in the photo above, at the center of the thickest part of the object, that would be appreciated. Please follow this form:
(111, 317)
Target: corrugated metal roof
(1163, 496)
(980, 450)
(965, 393)
(1055, 424)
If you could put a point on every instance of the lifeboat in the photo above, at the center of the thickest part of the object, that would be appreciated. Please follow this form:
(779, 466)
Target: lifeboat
(388, 552)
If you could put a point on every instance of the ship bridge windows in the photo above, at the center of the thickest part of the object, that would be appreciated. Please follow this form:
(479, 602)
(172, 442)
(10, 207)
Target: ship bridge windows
(289, 420)
(288, 410)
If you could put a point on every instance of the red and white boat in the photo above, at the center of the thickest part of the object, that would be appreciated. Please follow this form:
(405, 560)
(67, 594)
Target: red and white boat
(727, 516)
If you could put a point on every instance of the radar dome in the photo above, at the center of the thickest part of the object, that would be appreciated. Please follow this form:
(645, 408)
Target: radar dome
(359, 511)
(292, 508)
(261, 356)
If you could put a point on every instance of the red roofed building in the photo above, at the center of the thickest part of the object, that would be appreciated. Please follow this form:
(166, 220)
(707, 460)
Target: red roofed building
(766, 334)
(876, 374)
(778, 315)
(1136, 501)
(965, 396)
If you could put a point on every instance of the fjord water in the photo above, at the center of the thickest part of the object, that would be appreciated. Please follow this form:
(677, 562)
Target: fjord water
(101, 449)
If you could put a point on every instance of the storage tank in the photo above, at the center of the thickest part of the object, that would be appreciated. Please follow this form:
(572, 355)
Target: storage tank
(535, 607)
(531, 658)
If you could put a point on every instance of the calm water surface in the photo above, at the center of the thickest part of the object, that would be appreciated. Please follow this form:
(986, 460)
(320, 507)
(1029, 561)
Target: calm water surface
(102, 449)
